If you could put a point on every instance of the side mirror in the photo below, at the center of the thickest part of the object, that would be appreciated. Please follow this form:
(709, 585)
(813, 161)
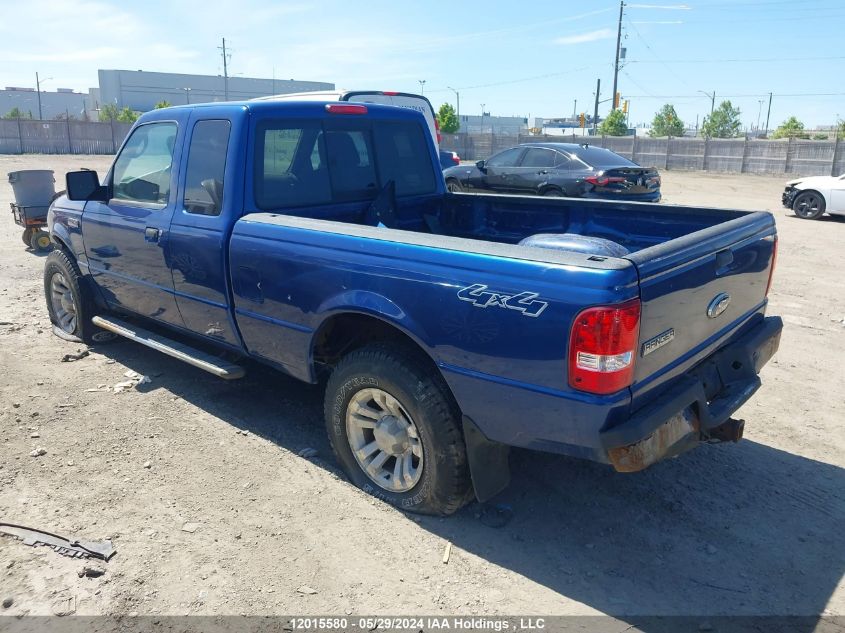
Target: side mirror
(84, 185)
(482, 165)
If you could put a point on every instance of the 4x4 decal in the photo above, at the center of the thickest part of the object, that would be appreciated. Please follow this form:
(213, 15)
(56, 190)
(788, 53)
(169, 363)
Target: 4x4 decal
(524, 302)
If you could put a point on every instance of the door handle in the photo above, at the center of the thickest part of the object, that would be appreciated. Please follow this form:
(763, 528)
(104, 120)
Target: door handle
(152, 234)
(543, 172)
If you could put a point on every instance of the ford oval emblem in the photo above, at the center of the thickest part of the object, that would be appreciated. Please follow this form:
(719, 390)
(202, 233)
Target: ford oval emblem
(718, 305)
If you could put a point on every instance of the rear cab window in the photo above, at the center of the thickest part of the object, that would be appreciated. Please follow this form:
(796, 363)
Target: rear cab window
(311, 162)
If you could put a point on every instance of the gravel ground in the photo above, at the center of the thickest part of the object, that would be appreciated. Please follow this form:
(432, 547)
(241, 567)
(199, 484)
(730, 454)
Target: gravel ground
(751, 528)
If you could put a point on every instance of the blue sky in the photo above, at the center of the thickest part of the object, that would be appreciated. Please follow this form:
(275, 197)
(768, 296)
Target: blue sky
(518, 58)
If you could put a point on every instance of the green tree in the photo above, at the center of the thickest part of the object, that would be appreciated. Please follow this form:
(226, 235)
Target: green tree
(667, 122)
(447, 119)
(791, 128)
(109, 112)
(723, 123)
(840, 129)
(128, 115)
(16, 113)
(164, 103)
(614, 124)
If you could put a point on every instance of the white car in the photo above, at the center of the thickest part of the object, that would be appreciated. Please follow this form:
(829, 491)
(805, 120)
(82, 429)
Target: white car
(813, 196)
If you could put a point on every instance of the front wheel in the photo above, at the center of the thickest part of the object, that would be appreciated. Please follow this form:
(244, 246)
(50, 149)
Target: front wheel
(809, 205)
(454, 186)
(396, 430)
(27, 237)
(553, 193)
(69, 301)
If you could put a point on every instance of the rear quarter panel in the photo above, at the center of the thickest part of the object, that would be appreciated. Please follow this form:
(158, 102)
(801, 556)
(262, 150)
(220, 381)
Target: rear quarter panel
(506, 365)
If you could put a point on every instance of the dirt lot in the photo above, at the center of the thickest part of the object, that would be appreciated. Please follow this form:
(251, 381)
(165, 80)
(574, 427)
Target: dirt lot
(752, 528)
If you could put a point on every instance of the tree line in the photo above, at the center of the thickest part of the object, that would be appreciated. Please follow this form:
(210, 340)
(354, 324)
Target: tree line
(723, 122)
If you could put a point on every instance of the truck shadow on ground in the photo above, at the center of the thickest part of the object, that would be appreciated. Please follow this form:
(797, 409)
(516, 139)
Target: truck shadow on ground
(732, 529)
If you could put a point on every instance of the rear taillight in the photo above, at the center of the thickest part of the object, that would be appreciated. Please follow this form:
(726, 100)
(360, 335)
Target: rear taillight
(601, 181)
(602, 347)
(437, 129)
(456, 159)
(346, 108)
(774, 262)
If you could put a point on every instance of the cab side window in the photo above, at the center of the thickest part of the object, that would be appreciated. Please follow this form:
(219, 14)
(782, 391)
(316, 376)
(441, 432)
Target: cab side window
(206, 167)
(142, 170)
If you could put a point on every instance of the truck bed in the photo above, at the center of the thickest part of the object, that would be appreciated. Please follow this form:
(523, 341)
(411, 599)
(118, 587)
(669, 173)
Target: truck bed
(430, 279)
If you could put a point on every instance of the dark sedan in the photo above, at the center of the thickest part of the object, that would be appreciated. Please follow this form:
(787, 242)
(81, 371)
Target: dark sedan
(558, 169)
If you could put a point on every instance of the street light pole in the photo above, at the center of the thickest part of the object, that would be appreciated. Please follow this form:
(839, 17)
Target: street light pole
(457, 99)
(422, 86)
(187, 95)
(768, 114)
(712, 97)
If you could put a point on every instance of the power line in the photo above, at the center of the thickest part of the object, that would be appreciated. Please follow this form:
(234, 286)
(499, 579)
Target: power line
(743, 96)
(736, 60)
(513, 81)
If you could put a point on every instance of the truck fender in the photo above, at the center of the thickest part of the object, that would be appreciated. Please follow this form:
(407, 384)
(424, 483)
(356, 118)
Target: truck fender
(61, 236)
(376, 305)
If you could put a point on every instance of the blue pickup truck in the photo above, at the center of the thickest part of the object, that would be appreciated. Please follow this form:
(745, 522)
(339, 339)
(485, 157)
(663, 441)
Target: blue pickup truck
(319, 238)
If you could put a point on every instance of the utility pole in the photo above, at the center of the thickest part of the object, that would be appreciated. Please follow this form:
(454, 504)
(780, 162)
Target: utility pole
(225, 72)
(596, 111)
(768, 114)
(574, 108)
(616, 62)
(38, 89)
(458, 100)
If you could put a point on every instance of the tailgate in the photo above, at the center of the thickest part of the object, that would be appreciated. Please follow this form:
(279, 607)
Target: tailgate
(697, 290)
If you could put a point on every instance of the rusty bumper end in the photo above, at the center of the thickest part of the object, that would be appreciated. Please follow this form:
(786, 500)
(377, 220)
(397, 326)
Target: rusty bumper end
(678, 434)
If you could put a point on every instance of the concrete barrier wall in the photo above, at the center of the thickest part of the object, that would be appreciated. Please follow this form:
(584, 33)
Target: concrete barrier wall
(25, 136)
(757, 156)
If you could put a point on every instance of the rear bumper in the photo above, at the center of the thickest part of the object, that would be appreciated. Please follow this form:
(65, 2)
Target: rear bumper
(698, 407)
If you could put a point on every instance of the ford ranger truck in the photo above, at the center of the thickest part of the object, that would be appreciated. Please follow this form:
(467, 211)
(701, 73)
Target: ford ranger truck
(319, 238)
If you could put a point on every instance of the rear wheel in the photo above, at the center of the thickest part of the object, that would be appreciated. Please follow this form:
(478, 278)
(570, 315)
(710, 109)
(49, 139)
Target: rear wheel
(453, 185)
(27, 237)
(553, 193)
(396, 431)
(809, 205)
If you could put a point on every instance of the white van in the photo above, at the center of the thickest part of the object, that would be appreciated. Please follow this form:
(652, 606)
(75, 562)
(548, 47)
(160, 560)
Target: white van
(399, 99)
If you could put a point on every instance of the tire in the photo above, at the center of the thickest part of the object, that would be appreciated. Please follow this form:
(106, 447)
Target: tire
(553, 193)
(27, 237)
(454, 186)
(809, 205)
(69, 301)
(428, 423)
(40, 241)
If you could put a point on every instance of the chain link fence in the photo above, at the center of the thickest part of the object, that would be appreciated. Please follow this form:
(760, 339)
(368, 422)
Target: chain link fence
(744, 156)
